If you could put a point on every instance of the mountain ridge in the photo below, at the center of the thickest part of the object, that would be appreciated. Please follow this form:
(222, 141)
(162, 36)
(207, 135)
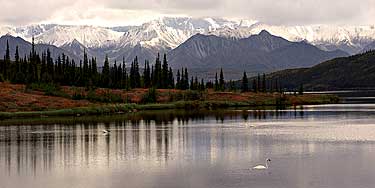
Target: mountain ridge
(258, 53)
(354, 72)
(169, 32)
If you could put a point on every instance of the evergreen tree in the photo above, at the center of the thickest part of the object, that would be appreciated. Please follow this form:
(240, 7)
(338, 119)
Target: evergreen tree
(124, 75)
(17, 55)
(192, 84)
(94, 71)
(135, 78)
(264, 83)
(178, 80)
(33, 53)
(105, 73)
(245, 83)
(170, 78)
(7, 53)
(6, 62)
(221, 81)
(50, 68)
(216, 83)
(86, 71)
(186, 85)
(165, 75)
(300, 92)
(259, 84)
(157, 73)
(147, 75)
(17, 60)
(202, 87)
(255, 88)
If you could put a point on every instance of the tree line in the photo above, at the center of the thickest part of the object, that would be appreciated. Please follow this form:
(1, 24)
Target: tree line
(42, 68)
(260, 84)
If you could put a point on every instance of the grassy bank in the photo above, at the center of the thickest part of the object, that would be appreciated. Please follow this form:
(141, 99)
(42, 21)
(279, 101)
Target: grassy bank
(47, 100)
(186, 105)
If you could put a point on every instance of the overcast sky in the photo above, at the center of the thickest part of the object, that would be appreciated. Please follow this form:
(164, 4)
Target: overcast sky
(135, 12)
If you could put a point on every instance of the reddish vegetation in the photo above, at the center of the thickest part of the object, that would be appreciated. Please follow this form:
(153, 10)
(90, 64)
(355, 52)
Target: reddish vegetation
(14, 98)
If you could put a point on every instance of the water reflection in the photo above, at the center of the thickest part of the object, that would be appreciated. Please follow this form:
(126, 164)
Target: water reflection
(148, 136)
(189, 149)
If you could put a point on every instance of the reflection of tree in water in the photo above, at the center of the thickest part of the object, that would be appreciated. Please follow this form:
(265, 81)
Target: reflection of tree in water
(154, 136)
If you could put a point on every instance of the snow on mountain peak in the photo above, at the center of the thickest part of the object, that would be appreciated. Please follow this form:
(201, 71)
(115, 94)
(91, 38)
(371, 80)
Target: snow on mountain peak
(89, 36)
(170, 32)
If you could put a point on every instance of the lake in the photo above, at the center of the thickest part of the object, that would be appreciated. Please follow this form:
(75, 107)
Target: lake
(310, 147)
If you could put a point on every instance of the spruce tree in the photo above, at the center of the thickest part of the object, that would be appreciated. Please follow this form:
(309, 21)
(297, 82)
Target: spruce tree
(245, 83)
(164, 75)
(7, 62)
(178, 80)
(17, 60)
(157, 75)
(186, 79)
(124, 75)
(216, 83)
(85, 68)
(264, 84)
(171, 78)
(105, 73)
(202, 85)
(182, 86)
(259, 84)
(255, 88)
(146, 75)
(300, 92)
(221, 81)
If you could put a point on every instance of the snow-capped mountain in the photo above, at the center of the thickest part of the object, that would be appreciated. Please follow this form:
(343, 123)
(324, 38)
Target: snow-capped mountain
(60, 35)
(164, 34)
(351, 39)
(264, 52)
(25, 48)
(171, 32)
(26, 32)
(89, 36)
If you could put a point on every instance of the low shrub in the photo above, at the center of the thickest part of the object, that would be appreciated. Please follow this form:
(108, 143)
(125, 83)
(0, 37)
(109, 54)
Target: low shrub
(108, 97)
(49, 89)
(150, 96)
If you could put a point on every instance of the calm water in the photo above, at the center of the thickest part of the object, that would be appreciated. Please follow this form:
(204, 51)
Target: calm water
(317, 146)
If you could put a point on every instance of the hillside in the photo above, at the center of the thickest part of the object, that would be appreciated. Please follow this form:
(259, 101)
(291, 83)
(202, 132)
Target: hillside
(258, 53)
(24, 48)
(352, 72)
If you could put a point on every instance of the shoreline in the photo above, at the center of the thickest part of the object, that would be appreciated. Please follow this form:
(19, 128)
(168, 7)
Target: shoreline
(109, 109)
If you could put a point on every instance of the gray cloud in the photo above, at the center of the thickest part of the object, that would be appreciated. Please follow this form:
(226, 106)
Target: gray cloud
(99, 12)
(17, 12)
(166, 5)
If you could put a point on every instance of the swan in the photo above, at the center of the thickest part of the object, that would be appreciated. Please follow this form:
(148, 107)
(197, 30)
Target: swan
(262, 167)
(105, 132)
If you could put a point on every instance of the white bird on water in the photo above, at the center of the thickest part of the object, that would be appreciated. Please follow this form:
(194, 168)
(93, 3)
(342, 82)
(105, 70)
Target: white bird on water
(262, 167)
(105, 132)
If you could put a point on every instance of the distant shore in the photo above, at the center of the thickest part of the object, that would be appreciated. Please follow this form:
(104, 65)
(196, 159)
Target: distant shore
(16, 102)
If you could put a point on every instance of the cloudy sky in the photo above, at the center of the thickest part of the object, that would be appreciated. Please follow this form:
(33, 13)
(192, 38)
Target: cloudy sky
(135, 12)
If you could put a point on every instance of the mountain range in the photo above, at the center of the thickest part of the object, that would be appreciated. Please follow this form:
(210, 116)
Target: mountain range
(206, 54)
(169, 32)
(170, 35)
(24, 48)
